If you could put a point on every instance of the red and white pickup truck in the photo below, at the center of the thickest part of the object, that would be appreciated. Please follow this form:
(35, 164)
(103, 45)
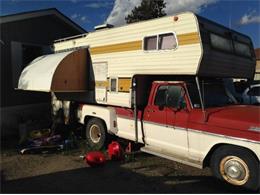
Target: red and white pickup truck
(198, 124)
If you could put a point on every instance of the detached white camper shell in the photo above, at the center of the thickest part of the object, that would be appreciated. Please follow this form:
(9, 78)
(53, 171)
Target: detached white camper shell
(184, 44)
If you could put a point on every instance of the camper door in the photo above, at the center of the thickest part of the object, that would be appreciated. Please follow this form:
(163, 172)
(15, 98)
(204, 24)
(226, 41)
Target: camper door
(100, 78)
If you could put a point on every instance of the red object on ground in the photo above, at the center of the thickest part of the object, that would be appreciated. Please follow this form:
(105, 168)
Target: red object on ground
(95, 158)
(115, 151)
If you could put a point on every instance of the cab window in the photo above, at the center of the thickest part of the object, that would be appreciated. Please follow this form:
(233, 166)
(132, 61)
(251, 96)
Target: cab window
(175, 97)
(160, 98)
(170, 96)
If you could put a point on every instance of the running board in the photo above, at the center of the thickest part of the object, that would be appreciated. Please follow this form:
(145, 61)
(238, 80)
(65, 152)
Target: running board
(169, 156)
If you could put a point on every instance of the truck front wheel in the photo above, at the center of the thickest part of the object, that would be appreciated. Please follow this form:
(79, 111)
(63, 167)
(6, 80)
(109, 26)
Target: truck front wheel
(96, 134)
(236, 166)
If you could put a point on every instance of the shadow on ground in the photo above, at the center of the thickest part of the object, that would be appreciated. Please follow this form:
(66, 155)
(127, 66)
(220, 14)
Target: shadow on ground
(112, 178)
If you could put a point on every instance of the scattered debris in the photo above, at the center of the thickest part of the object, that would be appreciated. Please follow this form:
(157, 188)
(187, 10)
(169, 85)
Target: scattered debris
(95, 158)
(41, 149)
(46, 140)
(115, 151)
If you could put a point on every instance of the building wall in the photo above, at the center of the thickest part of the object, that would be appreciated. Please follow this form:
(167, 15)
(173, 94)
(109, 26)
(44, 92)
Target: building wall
(20, 106)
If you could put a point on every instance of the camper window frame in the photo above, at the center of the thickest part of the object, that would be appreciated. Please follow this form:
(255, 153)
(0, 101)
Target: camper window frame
(157, 42)
(110, 81)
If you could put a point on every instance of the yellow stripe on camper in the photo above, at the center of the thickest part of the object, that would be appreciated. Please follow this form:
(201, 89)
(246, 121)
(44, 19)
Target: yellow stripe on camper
(102, 83)
(120, 47)
(188, 38)
(124, 84)
(183, 39)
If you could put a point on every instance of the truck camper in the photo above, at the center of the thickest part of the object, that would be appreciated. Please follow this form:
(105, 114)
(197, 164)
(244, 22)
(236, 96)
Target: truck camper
(160, 83)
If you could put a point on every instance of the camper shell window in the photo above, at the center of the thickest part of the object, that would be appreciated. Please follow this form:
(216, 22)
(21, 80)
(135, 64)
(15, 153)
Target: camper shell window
(165, 41)
(219, 42)
(242, 49)
(230, 45)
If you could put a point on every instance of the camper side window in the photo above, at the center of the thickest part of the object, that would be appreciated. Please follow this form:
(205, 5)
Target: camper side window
(167, 41)
(150, 43)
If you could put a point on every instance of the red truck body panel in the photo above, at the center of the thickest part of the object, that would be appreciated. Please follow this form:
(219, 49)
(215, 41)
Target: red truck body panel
(233, 121)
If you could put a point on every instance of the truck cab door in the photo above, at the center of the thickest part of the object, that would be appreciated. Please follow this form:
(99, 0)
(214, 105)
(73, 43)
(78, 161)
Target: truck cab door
(177, 114)
(177, 117)
(156, 112)
(159, 123)
(155, 118)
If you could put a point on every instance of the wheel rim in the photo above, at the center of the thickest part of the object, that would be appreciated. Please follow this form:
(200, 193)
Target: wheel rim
(95, 133)
(234, 170)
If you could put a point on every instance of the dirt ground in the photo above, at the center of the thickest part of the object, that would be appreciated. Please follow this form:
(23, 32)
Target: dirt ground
(67, 173)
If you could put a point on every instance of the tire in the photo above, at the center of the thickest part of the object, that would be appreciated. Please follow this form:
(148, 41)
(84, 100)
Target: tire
(236, 166)
(96, 134)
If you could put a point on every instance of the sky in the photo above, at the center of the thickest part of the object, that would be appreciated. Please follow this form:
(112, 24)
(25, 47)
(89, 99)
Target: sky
(240, 15)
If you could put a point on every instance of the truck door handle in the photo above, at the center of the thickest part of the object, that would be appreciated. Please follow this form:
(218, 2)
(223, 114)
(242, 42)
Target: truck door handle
(150, 111)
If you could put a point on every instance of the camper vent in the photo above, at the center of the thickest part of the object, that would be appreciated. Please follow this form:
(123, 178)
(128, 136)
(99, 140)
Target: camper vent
(103, 26)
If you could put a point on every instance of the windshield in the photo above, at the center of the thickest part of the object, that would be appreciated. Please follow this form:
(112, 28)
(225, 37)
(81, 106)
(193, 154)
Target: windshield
(214, 94)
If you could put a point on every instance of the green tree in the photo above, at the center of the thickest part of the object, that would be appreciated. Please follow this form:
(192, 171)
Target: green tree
(147, 10)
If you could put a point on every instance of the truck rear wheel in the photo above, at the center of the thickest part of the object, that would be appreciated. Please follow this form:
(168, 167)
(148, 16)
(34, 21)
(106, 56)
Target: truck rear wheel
(236, 166)
(96, 134)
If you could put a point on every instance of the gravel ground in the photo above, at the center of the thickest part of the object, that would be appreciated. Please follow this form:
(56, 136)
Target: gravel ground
(67, 173)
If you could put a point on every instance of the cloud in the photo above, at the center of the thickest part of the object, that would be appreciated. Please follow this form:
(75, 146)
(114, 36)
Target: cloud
(74, 16)
(98, 4)
(123, 7)
(250, 18)
(177, 6)
(120, 10)
(80, 18)
(84, 19)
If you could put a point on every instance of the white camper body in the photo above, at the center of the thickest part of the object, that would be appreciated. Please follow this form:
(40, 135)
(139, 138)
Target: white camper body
(184, 44)
(118, 54)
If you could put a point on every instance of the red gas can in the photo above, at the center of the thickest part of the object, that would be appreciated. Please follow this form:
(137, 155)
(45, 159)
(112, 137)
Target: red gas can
(95, 158)
(115, 151)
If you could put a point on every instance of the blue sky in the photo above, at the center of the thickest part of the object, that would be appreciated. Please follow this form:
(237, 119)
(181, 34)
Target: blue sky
(241, 15)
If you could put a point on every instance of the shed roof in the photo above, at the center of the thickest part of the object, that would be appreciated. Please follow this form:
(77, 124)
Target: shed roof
(39, 13)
